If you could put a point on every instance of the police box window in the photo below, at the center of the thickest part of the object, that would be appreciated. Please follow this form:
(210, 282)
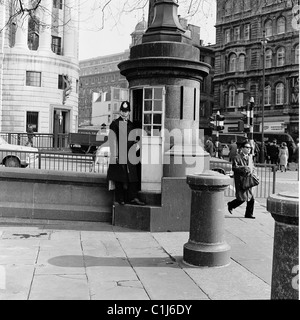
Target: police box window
(32, 118)
(33, 78)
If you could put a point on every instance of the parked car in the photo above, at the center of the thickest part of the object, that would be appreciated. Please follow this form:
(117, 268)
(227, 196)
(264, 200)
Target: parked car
(13, 155)
(221, 166)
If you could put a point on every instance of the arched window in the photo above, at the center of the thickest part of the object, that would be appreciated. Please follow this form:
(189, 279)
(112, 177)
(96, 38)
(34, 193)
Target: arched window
(279, 93)
(268, 95)
(281, 57)
(242, 62)
(232, 63)
(268, 28)
(268, 58)
(231, 96)
(297, 54)
(281, 25)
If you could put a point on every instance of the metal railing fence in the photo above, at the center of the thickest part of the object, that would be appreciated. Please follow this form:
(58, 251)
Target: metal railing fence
(44, 141)
(52, 160)
(67, 161)
(267, 182)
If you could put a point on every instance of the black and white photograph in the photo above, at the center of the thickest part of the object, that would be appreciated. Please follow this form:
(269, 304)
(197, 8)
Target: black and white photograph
(149, 153)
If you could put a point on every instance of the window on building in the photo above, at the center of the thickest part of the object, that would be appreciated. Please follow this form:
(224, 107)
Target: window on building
(268, 28)
(236, 34)
(247, 31)
(247, 5)
(242, 62)
(58, 4)
(281, 57)
(56, 45)
(231, 97)
(228, 8)
(33, 78)
(32, 118)
(227, 35)
(153, 111)
(33, 33)
(236, 7)
(279, 93)
(241, 99)
(297, 54)
(232, 63)
(267, 95)
(281, 25)
(62, 79)
(268, 58)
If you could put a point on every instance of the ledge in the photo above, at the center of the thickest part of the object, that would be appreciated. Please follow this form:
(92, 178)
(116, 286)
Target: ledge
(51, 176)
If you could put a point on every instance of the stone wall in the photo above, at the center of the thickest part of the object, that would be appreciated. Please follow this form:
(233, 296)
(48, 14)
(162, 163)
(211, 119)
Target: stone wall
(53, 195)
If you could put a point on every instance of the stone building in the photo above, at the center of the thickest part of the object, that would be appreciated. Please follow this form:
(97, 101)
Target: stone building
(97, 78)
(247, 31)
(39, 69)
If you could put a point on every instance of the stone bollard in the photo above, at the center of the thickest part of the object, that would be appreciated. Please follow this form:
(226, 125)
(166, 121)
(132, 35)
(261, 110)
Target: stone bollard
(206, 246)
(284, 208)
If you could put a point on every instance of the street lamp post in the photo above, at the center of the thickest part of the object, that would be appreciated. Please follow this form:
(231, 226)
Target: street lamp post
(263, 99)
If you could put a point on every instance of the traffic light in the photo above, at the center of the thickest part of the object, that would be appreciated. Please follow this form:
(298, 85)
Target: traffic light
(212, 122)
(220, 121)
(216, 122)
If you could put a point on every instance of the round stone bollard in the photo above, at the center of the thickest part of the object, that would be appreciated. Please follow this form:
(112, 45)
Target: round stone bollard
(206, 246)
(284, 208)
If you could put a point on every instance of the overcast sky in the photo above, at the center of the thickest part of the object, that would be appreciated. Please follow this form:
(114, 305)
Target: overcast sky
(115, 36)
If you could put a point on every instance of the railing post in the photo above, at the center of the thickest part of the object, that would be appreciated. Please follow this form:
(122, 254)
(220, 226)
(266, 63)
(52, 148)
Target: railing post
(284, 208)
(206, 245)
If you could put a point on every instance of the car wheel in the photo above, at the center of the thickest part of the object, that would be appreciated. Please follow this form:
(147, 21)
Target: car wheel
(12, 162)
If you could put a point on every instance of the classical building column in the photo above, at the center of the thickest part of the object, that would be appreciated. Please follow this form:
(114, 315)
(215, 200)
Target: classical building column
(70, 41)
(21, 39)
(46, 21)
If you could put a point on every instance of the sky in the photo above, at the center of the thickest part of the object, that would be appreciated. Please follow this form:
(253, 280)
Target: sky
(110, 33)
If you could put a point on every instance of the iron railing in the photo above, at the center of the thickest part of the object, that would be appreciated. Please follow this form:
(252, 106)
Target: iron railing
(267, 182)
(51, 160)
(42, 141)
(78, 162)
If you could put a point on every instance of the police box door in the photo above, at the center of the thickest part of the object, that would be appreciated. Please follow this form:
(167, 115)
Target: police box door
(148, 114)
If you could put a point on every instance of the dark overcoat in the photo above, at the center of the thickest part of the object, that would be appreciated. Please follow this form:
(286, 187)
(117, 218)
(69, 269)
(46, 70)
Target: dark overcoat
(122, 149)
(240, 168)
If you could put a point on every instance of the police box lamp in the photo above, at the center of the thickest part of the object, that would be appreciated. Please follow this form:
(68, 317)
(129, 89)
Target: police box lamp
(216, 121)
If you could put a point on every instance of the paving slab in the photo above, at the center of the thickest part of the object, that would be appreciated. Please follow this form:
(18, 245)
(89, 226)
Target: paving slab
(59, 287)
(16, 282)
(232, 282)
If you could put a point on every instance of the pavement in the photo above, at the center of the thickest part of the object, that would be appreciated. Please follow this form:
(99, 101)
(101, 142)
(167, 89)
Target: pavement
(68, 260)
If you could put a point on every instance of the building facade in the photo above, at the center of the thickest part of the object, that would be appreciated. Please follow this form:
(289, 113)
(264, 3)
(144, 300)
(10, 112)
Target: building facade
(97, 77)
(256, 42)
(100, 78)
(39, 68)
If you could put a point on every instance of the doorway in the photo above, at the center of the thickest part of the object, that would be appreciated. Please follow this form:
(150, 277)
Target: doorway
(60, 124)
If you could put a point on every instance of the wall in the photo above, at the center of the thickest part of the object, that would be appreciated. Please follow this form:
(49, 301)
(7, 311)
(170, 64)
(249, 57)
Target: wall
(51, 195)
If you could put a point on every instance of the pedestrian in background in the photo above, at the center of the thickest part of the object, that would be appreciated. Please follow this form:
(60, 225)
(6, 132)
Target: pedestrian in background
(233, 150)
(241, 167)
(209, 147)
(273, 152)
(283, 157)
(30, 135)
(122, 173)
